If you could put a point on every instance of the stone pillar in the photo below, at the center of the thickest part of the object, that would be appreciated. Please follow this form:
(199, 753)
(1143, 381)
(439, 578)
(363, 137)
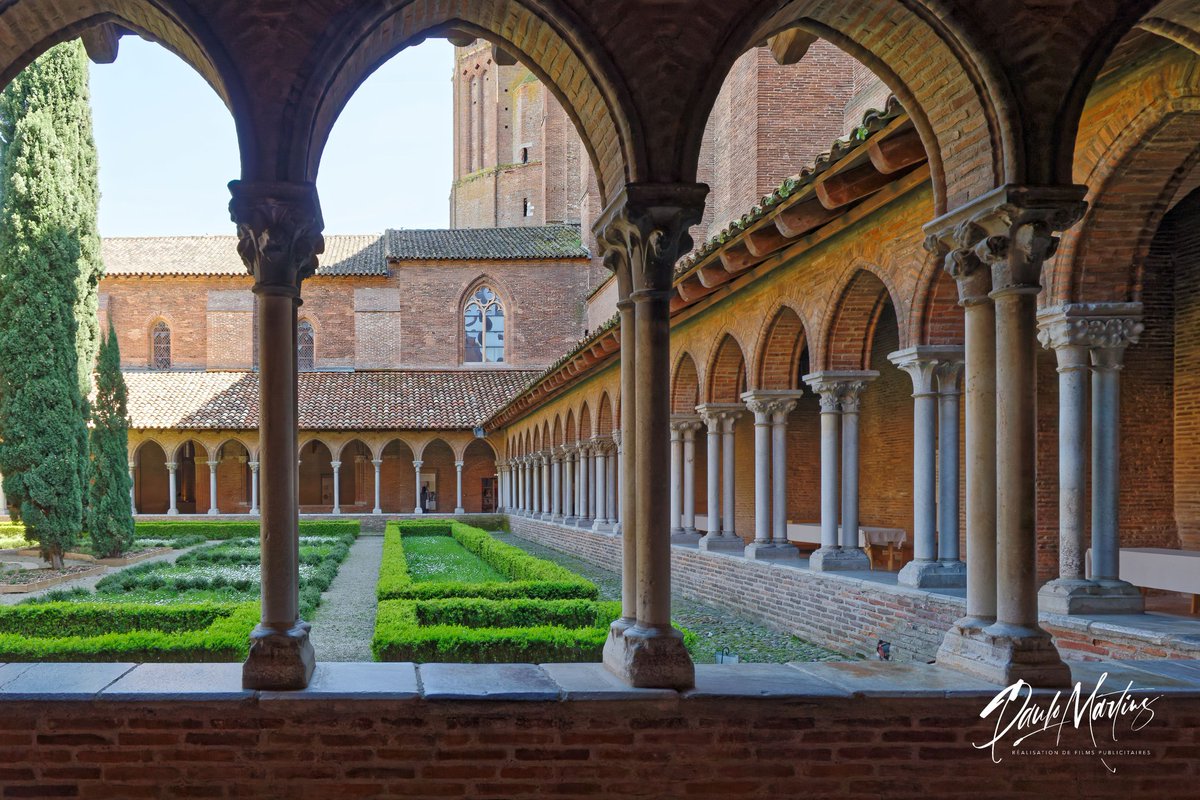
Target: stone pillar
(254, 487)
(378, 464)
(568, 489)
(618, 484)
(132, 497)
(1087, 336)
(1010, 230)
(770, 409)
(614, 647)
(546, 487)
(585, 511)
(688, 518)
(840, 392)
(337, 486)
(676, 479)
(458, 504)
(417, 499)
(728, 484)
(603, 523)
(928, 568)
(555, 486)
(712, 424)
(642, 233)
(212, 486)
(614, 512)
(171, 488)
(780, 410)
(949, 373)
(720, 419)
(279, 237)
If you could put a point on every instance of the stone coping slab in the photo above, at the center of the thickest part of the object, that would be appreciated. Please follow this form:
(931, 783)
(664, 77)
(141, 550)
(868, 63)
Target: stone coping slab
(406, 682)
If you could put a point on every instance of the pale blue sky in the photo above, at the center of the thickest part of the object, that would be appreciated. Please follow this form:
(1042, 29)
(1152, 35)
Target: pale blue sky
(167, 147)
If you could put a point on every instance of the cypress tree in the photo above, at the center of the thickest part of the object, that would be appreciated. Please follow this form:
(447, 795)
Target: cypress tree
(109, 513)
(41, 407)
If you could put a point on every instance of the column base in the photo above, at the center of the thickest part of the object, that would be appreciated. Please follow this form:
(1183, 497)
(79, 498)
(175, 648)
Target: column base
(771, 551)
(172, 512)
(418, 511)
(212, 512)
(279, 660)
(649, 658)
(1079, 596)
(1004, 654)
(721, 543)
(337, 512)
(569, 520)
(584, 522)
(933, 574)
(683, 536)
(602, 526)
(838, 559)
(377, 511)
(460, 510)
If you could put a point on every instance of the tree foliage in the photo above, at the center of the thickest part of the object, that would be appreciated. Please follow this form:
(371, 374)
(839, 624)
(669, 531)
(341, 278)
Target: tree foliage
(49, 257)
(109, 511)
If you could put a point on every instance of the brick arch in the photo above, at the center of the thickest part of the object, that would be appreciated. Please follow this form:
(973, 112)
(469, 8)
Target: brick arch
(585, 422)
(852, 323)
(561, 54)
(166, 450)
(546, 442)
(936, 313)
(685, 386)
(344, 445)
(1103, 258)
(434, 441)
(528, 448)
(557, 438)
(236, 440)
(200, 443)
(783, 343)
(726, 372)
(604, 416)
(569, 434)
(537, 439)
(28, 28)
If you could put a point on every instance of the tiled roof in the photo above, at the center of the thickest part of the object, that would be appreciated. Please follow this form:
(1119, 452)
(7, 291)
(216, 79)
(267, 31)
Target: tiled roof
(217, 255)
(397, 400)
(544, 241)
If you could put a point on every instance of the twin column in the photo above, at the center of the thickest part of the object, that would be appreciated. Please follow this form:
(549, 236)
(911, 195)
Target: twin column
(770, 410)
(719, 420)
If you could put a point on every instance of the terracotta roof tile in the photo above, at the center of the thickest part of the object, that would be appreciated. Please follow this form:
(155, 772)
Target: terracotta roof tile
(393, 400)
(217, 255)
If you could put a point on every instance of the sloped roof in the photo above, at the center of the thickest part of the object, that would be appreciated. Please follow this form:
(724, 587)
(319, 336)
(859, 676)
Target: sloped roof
(496, 244)
(217, 255)
(392, 400)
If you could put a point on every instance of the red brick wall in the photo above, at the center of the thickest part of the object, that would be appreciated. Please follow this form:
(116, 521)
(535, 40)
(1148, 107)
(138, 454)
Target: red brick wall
(1184, 225)
(698, 747)
(886, 435)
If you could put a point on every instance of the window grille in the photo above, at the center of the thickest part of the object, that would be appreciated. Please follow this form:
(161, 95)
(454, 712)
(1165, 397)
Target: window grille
(160, 355)
(305, 346)
(484, 328)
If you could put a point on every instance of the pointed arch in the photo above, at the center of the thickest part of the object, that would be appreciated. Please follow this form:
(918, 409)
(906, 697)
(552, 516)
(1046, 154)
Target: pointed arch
(604, 416)
(484, 322)
(782, 351)
(852, 324)
(685, 386)
(557, 440)
(569, 431)
(726, 372)
(585, 422)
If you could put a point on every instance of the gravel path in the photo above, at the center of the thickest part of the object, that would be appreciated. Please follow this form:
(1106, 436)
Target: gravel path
(82, 583)
(345, 620)
(716, 629)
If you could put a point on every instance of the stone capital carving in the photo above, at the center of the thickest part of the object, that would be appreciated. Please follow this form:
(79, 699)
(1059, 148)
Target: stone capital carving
(644, 230)
(616, 437)
(458, 464)
(840, 390)
(335, 464)
(172, 466)
(1102, 330)
(923, 362)
(417, 464)
(949, 376)
(279, 233)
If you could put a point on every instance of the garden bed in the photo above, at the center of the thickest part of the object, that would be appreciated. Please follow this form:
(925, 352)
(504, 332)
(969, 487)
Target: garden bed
(451, 592)
(32, 580)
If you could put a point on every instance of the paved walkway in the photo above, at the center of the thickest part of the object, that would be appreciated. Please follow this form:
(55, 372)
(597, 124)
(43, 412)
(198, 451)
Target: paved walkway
(716, 630)
(345, 620)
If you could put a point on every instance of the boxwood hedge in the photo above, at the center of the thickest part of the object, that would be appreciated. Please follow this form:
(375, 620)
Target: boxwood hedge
(529, 577)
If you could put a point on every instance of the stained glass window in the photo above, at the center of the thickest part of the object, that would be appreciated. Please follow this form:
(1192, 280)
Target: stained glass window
(160, 346)
(484, 328)
(305, 346)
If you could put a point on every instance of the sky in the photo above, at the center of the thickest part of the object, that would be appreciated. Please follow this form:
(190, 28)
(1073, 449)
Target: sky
(167, 147)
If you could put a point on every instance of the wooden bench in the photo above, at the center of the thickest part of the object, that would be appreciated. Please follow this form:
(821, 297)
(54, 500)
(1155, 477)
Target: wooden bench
(1160, 568)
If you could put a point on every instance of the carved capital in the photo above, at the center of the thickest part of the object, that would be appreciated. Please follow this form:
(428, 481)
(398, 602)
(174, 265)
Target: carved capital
(644, 231)
(1101, 330)
(924, 363)
(279, 233)
(840, 390)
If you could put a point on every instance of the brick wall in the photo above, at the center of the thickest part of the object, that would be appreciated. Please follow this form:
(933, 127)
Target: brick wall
(904, 747)
(845, 614)
(1185, 263)
(886, 435)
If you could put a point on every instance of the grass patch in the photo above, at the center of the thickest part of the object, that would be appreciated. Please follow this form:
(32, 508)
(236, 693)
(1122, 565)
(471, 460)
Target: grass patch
(441, 558)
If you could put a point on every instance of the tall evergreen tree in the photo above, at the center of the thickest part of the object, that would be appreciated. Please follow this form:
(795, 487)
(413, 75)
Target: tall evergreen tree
(41, 407)
(109, 512)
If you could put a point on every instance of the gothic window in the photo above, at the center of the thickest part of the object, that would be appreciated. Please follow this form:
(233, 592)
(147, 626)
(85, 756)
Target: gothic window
(305, 346)
(484, 328)
(160, 346)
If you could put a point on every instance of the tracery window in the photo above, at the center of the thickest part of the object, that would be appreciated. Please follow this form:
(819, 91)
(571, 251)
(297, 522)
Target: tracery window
(160, 346)
(484, 328)
(305, 346)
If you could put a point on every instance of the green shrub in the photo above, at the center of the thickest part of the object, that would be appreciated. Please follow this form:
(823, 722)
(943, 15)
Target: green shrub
(58, 619)
(117, 636)
(528, 576)
(487, 522)
(237, 529)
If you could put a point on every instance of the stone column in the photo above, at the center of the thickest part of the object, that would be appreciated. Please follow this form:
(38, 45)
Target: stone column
(614, 646)
(132, 497)
(617, 486)
(922, 363)
(720, 419)
(613, 482)
(337, 486)
(417, 499)
(546, 487)
(712, 424)
(780, 410)
(642, 233)
(603, 523)
(171, 488)
(1010, 229)
(688, 518)
(728, 487)
(378, 464)
(458, 504)
(839, 392)
(555, 486)
(761, 409)
(279, 237)
(585, 511)
(212, 486)
(770, 409)
(949, 373)
(676, 480)
(254, 487)
(568, 494)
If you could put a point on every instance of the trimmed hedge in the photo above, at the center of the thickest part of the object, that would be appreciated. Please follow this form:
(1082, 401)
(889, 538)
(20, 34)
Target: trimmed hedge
(482, 631)
(529, 577)
(237, 529)
(129, 632)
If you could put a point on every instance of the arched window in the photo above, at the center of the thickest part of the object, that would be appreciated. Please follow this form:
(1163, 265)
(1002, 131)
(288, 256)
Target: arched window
(160, 346)
(484, 327)
(305, 346)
